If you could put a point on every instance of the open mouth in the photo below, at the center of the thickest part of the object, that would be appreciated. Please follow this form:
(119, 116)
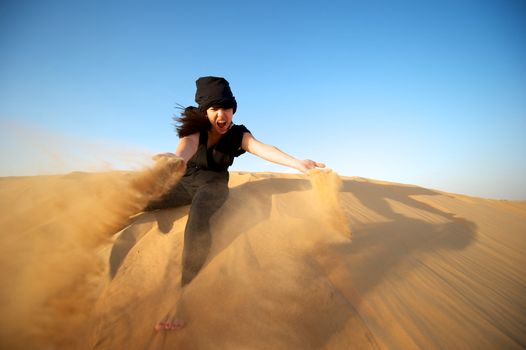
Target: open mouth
(221, 124)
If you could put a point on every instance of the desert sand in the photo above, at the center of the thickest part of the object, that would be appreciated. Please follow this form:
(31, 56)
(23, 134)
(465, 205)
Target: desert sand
(297, 262)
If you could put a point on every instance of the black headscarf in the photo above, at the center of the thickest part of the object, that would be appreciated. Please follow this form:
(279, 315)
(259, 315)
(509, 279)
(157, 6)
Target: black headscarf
(214, 92)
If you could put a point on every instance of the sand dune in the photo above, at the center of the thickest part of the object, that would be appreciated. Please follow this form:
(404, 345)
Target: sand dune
(421, 269)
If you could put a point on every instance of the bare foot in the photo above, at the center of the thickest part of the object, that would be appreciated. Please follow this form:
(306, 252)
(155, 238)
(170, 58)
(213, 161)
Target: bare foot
(174, 320)
(170, 325)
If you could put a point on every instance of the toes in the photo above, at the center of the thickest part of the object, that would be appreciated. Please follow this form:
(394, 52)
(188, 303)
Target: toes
(169, 325)
(178, 324)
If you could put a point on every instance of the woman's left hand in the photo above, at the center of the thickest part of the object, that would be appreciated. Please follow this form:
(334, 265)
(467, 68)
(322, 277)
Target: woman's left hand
(307, 164)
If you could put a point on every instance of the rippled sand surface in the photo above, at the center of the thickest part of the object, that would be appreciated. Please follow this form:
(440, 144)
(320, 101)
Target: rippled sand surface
(297, 262)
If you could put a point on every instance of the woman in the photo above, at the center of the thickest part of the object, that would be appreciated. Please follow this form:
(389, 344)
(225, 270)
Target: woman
(208, 143)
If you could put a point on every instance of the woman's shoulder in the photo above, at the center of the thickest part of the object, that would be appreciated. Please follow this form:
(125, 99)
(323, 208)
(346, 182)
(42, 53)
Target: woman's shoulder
(239, 129)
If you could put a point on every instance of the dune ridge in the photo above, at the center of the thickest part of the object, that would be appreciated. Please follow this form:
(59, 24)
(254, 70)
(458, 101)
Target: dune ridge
(424, 269)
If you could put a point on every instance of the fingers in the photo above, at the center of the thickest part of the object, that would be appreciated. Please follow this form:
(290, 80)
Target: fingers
(175, 162)
(310, 164)
(158, 156)
(163, 155)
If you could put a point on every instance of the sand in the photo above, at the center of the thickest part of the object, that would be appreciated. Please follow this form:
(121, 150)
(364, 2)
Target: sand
(297, 262)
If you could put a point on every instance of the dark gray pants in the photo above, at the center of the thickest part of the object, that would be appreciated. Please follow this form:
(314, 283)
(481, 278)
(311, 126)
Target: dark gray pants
(205, 191)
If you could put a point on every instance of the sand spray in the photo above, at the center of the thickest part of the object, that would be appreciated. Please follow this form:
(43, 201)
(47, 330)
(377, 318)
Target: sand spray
(57, 227)
(326, 185)
(54, 230)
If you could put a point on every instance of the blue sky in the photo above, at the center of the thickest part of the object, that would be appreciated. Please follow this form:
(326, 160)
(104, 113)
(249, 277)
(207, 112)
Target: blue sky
(431, 93)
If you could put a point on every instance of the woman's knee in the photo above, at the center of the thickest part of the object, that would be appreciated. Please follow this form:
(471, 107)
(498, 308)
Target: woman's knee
(210, 197)
(174, 197)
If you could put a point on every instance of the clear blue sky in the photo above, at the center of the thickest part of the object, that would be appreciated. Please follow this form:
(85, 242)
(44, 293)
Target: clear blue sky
(431, 93)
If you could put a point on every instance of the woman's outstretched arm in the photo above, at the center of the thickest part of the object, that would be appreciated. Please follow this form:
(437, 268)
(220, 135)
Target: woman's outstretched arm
(186, 148)
(273, 154)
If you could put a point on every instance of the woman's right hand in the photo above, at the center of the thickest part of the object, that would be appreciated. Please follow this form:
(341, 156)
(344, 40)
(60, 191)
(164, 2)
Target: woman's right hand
(164, 155)
(171, 158)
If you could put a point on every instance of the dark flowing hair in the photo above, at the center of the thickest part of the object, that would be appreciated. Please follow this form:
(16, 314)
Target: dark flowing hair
(192, 120)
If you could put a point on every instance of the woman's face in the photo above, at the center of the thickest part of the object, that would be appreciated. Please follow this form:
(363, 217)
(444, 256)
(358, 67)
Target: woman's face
(220, 118)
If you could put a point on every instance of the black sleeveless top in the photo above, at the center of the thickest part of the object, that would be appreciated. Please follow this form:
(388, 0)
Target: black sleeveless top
(220, 156)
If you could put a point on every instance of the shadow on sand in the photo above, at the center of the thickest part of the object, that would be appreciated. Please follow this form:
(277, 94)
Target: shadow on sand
(137, 229)
(250, 212)
(377, 249)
